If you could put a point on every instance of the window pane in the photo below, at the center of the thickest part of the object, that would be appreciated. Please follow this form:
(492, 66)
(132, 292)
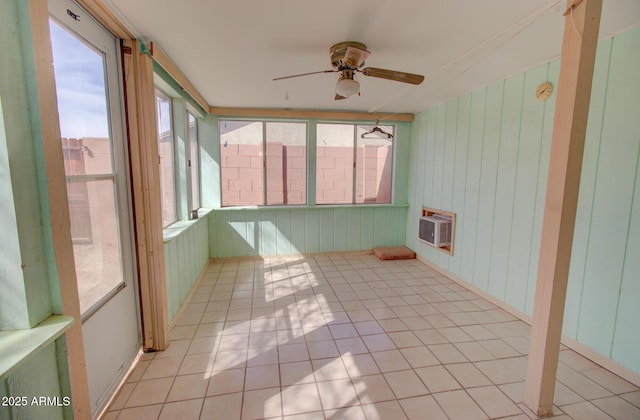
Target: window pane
(334, 164)
(165, 151)
(82, 105)
(241, 163)
(374, 157)
(95, 234)
(193, 162)
(286, 163)
(83, 111)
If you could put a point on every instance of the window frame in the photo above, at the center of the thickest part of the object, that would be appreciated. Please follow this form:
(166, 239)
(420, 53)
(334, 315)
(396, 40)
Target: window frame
(311, 159)
(190, 171)
(174, 183)
(392, 163)
(263, 148)
(354, 154)
(183, 182)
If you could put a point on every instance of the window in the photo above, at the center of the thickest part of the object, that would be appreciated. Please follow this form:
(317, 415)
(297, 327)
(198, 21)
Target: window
(334, 164)
(165, 152)
(263, 163)
(286, 163)
(179, 153)
(194, 170)
(351, 169)
(94, 158)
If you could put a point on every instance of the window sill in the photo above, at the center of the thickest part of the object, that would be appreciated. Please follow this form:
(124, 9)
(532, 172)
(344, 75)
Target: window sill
(314, 207)
(175, 229)
(17, 346)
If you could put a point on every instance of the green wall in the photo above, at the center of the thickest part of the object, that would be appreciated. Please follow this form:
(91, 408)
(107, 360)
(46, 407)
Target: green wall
(26, 249)
(485, 156)
(36, 378)
(186, 253)
(254, 232)
(28, 275)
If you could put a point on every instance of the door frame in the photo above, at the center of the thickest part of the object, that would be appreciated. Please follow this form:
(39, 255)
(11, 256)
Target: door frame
(104, 380)
(145, 179)
(142, 150)
(58, 207)
(140, 123)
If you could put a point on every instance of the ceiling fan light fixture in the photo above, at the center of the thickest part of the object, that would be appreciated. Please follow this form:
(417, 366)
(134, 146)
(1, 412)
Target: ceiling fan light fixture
(347, 86)
(347, 58)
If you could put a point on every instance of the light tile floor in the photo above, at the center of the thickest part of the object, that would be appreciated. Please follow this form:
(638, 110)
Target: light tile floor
(351, 337)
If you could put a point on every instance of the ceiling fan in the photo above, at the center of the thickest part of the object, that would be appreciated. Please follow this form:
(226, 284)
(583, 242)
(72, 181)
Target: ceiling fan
(347, 58)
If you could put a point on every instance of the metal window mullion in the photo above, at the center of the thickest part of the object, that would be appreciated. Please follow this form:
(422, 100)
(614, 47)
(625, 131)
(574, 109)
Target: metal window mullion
(174, 160)
(187, 164)
(355, 140)
(197, 158)
(310, 162)
(264, 163)
(393, 166)
(181, 174)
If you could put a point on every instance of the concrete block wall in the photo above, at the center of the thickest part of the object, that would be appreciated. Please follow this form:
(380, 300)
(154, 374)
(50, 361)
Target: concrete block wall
(94, 223)
(242, 178)
(334, 176)
(90, 202)
(286, 174)
(243, 174)
(373, 174)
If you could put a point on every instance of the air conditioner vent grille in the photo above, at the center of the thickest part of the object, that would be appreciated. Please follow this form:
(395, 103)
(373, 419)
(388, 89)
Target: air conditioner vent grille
(435, 230)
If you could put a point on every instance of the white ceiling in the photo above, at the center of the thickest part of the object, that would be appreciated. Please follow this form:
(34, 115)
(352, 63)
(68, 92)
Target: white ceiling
(230, 49)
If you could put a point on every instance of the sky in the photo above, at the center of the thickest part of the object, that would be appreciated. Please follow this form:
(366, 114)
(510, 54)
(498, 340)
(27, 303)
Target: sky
(80, 85)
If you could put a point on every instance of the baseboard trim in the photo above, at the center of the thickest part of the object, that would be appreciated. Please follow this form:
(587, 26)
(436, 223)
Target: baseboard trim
(194, 286)
(102, 412)
(605, 362)
(475, 289)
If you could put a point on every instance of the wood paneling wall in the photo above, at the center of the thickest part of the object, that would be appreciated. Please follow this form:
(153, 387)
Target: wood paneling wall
(186, 255)
(484, 156)
(261, 232)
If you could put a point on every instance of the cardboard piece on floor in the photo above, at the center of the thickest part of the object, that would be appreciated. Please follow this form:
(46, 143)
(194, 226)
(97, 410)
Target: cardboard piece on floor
(394, 253)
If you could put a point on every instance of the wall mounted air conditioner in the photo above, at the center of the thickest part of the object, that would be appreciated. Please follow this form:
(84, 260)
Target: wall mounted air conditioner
(435, 230)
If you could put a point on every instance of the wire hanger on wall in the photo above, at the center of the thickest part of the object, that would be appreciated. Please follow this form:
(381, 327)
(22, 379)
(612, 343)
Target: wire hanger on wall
(376, 133)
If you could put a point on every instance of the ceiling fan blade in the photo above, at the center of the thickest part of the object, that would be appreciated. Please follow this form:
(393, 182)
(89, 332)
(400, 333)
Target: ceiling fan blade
(338, 97)
(398, 76)
(354, 57)
(304, 74)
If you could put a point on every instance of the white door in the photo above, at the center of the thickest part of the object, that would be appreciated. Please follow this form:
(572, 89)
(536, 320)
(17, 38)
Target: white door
(88, 84)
